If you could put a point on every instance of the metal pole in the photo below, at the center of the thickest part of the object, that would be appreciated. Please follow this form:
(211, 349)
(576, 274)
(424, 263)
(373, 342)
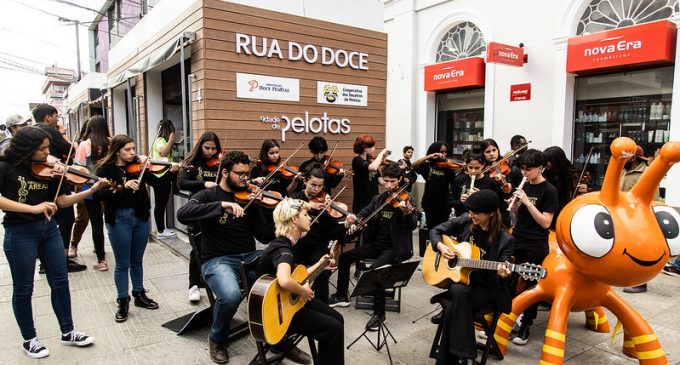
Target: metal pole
(77, 23)
(183, 78)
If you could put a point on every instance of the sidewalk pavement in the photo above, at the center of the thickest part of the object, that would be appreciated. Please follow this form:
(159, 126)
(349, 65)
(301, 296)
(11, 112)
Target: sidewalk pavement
(142, 340)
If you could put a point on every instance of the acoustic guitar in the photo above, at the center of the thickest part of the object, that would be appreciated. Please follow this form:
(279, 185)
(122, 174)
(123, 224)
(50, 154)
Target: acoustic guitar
(271, 308)
(440, 272)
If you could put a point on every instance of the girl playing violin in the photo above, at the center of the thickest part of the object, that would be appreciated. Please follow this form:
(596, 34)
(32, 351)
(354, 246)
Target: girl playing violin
(29, 204)
(126, 213)
(94, 147)
(437, 201)
(314, 244)
(200, 169)
(270, 158)
(500, 172)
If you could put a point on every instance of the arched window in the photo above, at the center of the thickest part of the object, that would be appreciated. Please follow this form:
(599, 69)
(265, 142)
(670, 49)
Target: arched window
(462, 41)
(603, 15)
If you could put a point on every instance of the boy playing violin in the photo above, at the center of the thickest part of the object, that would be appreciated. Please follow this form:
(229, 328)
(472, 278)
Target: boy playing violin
(311, 247)
(389, 240)
(318, 147)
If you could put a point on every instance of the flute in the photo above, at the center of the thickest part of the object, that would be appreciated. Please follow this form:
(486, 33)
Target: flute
(514, 197)
(472, 181)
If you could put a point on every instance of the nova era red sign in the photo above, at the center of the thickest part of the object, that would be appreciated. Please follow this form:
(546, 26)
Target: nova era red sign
(644, 44)
(520, 92)
(467, 72)
(503, 53)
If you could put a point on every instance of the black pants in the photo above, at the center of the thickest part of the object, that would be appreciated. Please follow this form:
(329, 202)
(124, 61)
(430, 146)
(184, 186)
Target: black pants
(94, 211)
(162, 187)
(458, 325)
(532, 251)
(309, 255)
(195, 257)
(322, 323)
(65, 217)
(436, 214)
(366, 251)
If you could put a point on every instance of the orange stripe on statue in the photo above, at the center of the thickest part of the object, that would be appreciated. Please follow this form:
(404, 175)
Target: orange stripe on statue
(607, 239)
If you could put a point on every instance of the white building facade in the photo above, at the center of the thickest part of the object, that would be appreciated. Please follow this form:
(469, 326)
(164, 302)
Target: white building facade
(575, 110)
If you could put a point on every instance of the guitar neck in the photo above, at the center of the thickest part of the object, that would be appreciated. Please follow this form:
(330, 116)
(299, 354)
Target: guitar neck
(482, 264)
(312, 275)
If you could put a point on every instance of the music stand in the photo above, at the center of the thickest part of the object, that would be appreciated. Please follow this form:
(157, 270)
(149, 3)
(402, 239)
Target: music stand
(381, 278)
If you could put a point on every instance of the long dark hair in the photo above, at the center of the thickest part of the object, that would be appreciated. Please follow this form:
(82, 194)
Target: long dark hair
(165, 128)
(485, 144)
(496, 227)
(435, 147)
(98, 133)
(196, 153)
(84, 131)
(24, 144)
(267, 144)
(562, 173)
(117, 143)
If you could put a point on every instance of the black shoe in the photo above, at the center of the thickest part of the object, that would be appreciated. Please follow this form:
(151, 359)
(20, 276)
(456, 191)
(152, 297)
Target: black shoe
(373, 324)
(218, 352)
(522, 336)
(437, 318)
(294, 354)
(123, 308)
(41, 269)
(357, 273)
(141, 300)
(34, 349)
(73, 266)
(338, 301)
(74, 338)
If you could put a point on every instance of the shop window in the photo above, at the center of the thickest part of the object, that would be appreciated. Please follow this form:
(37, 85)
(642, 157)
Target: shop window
(460, 119)
(603, 15)
(633, 104)
(172, 106)
(462, 41)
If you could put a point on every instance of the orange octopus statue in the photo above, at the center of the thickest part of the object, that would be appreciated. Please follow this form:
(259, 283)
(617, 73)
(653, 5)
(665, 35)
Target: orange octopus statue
(606, 238)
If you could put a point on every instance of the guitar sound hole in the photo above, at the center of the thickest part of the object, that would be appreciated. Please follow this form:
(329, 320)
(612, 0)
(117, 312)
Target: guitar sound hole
(294, 298)
(452, 262)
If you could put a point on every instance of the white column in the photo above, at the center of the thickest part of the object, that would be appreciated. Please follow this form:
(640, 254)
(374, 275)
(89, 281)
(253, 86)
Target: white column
(489, 98)
(672, 180)
(563, 99)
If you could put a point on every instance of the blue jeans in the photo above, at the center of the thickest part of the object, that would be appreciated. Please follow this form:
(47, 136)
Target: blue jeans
(223, 275)
(128, 237)
(23, 243)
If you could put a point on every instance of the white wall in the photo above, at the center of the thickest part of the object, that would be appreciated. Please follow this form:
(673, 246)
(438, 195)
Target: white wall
(154, 102)
(119, 112)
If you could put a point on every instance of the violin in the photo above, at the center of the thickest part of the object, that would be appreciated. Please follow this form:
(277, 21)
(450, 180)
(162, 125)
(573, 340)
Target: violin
(51, 169)
(265, 198)
(396, 199)
(287, 171)
(499, 168)
(392, 198)
(450, 164)
(336, 209)
(212, 164)
(137, 165)
(332, 166)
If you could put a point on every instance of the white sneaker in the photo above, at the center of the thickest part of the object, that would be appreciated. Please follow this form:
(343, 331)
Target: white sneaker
(194, 294)
(167, 233)
(482, 335)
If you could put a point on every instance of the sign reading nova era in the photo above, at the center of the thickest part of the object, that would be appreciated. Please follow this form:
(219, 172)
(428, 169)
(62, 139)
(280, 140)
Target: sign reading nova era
(466, 72)
(503, 53)
(305, 124)
(645, 44)
(265, 47)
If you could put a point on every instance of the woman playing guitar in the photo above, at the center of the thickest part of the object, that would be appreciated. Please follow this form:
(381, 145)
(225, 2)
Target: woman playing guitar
(315, 319)
(482, 227)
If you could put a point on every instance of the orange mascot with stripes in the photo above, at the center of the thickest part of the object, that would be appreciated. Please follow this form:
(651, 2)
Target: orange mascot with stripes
(606, 238)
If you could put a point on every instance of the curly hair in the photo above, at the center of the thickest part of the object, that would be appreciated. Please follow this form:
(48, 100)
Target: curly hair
(318, 145)
(24, 144)
(234, 157)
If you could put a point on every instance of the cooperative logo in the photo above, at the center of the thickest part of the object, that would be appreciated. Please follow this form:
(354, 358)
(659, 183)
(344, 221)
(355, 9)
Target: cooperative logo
(305, 124)
(330, 92)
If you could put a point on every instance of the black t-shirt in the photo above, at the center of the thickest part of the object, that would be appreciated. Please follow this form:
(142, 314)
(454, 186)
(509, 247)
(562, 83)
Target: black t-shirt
(461, 185)
(544, 197)
(279, 251)
(329, 183)
(365, 184)
(324, 230)
(383, 238)
(223, 233)
(125, 198)
(193, 179)
(59, 146)
(437, 186)
(18, 184)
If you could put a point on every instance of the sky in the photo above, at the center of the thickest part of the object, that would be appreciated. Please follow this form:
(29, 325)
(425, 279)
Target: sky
(33, 40)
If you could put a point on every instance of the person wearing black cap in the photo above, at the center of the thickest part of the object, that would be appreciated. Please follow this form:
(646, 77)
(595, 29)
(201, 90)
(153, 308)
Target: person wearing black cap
(483, 227)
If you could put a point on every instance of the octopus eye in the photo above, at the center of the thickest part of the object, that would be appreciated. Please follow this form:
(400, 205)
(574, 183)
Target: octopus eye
(668, 219)
(592, 230)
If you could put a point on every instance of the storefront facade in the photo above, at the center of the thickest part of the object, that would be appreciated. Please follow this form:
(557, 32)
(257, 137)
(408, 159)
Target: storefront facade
(252, 73)
(538, 97)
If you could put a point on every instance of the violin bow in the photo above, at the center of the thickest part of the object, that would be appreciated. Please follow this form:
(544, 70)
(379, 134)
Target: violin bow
(583, 171)
(325, 208)
(219, 167)
(393, 196)
(328, 159)
(63, 175)
(262, 189)
(507, 155)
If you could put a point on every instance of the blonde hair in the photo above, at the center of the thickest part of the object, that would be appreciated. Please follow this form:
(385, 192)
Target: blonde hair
(284, 212)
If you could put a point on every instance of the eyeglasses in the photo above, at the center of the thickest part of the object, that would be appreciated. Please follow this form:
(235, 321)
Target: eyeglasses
(242, 175)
